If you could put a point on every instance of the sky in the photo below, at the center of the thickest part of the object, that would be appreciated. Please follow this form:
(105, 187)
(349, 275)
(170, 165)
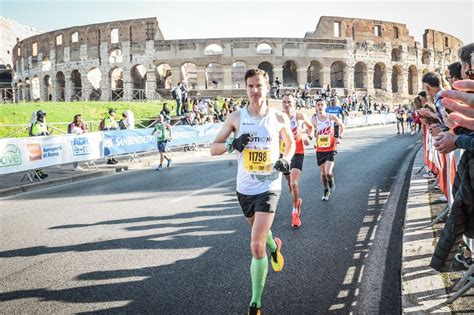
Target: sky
(257, 18)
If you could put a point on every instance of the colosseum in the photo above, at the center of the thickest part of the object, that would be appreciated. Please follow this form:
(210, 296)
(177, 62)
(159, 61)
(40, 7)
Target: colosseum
(131, 60)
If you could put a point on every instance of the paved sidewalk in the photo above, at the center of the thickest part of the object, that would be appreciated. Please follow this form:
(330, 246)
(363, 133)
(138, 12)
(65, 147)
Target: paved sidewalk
(12, 184)
(425, 290)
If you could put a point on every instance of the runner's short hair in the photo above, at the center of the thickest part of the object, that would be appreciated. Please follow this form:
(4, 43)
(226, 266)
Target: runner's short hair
(255, 71)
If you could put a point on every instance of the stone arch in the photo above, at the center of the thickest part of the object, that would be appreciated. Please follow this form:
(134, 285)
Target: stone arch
(314, 74)
(290, 75)
(268, 68)
(425, 57)
(163, 76)
(116, 83)
(338, 73)
(264, 48)
(60, 86)
(396, 55)
(115, 56)
(27, 89)
(76, 85)
(35, 88)
(94, 76)
(397, 79)
(213, 49)
(189, 74)
(214, 76)
(380, 76)
(47, 88)
(19, 90)
(412, 80)
(360, 75)
(138, 76)
(238, 74)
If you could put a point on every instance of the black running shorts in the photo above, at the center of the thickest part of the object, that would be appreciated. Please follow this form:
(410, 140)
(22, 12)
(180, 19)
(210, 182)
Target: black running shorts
(323, 157)
(297, 162)
(264, 202)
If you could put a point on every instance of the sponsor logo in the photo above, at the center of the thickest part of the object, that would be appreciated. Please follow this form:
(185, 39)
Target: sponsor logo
(50, 151)
(81, 146)
(10, 156)
(34, 150)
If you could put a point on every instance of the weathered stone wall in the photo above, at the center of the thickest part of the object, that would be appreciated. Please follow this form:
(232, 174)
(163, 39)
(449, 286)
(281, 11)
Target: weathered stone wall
(142, 63)
(440, 41)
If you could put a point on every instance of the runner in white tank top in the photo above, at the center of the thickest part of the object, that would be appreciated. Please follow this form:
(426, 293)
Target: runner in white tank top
(257, 130)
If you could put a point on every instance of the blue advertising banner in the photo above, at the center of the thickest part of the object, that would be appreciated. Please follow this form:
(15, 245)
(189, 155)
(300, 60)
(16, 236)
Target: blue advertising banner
(128, 141)
(182, 135)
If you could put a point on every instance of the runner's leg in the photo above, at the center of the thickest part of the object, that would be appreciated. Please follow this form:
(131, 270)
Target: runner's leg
(328, 166)
(295, 191)
(262, 221)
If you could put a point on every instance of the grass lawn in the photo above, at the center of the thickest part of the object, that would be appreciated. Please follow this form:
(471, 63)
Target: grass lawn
(63, 112)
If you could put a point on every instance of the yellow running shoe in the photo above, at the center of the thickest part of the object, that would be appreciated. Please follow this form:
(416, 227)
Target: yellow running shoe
(277, 258)
(254, 310)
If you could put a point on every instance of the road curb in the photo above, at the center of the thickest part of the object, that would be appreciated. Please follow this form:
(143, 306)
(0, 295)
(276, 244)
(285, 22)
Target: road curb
(423, 289)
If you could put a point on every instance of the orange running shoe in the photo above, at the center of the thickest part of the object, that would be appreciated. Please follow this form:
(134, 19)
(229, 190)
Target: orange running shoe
(295, 217)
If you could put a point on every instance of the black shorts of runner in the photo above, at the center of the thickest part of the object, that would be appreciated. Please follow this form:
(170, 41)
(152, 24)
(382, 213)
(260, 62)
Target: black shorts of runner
(162, 146)
(264, 202)
(323, 157)
(400, 120)
(296, 162)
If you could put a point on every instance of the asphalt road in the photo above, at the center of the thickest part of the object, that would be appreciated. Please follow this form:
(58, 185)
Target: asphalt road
(175, 242)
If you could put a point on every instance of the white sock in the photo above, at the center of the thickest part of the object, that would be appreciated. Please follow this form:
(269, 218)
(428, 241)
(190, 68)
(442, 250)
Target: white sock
(295, 210)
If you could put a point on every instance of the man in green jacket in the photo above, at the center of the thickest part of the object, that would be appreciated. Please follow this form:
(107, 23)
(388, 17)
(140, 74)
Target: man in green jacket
(39, 128)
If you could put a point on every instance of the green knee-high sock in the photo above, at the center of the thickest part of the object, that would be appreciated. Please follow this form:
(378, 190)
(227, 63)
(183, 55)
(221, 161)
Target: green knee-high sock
(271, 242)
(258, 270)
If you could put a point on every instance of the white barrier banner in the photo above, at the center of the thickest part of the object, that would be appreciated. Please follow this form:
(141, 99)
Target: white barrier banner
(22, 154)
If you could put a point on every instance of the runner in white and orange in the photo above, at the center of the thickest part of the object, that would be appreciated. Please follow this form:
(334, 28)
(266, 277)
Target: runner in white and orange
(326, 145)
(297, 120)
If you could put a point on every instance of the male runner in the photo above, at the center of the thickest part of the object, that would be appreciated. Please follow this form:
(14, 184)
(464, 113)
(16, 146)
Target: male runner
(337, 110)
(257, 130)
(326, 145)
(297, 119)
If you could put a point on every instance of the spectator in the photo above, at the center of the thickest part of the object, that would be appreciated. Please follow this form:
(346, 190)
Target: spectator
(184, 97)
(454, 73)
(278, 85)
(127, 121)
(176, 93)
(109, 123)
(39, 128)
(166, 112)
(77, 127)
(432, 87)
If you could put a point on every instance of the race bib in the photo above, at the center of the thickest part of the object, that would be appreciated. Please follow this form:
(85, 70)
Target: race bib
(159, 133)
(324, 141)
(257, 161)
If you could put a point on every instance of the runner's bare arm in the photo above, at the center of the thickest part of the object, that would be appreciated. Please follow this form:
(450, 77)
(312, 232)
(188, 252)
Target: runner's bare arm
(339, 123)
(218, 146)
(286, 135)
(309, 125)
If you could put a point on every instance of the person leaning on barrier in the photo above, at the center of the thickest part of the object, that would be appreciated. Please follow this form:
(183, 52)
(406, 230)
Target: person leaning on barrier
(127, 121)
(39, 128)
(461, 219)
(77, 127)
(109, 123)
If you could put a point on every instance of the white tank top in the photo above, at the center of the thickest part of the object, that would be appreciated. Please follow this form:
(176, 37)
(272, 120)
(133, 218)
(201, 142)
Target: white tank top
(255, 172)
